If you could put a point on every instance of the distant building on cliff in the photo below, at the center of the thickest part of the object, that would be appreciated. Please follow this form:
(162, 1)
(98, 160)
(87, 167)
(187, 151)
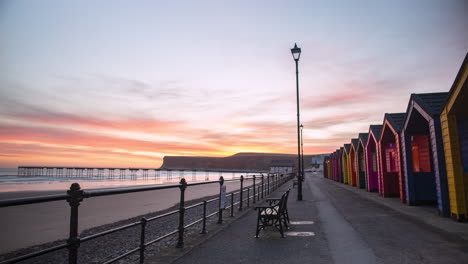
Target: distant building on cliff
(281, 166)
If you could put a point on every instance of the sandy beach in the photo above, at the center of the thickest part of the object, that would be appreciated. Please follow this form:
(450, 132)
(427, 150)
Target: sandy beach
(28, 225)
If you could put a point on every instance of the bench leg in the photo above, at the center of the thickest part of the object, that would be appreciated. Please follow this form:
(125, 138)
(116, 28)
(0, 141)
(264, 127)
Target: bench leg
(281, 228)
(258, 224)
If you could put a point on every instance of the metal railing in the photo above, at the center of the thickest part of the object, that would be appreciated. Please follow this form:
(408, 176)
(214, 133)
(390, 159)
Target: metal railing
(75, 196)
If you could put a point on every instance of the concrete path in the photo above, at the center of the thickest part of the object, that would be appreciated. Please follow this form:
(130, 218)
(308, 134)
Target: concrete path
(349, 226)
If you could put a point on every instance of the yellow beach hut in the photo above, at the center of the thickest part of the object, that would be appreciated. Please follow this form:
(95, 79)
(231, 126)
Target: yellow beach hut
(345, 161)
(454, 121)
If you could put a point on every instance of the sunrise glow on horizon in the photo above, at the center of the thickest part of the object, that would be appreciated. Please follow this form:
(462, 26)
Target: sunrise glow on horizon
(115, 83)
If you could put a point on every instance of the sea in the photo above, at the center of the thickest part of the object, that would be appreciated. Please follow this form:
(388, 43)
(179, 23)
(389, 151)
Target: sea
(11, 182)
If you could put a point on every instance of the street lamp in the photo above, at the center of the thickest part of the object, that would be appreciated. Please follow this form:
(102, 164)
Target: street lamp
(302, 148)
(296, 53)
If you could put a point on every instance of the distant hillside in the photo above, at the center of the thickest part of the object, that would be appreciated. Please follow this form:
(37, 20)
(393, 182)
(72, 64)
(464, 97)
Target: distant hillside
(240, 161)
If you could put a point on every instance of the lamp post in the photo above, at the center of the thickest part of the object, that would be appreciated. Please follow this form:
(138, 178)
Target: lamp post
(302, 149)
(296, 53)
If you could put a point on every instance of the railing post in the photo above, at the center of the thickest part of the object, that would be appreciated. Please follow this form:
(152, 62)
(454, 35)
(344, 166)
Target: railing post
(204, 218)
(142, 240)
(232, 204)
(253, 200)
(180, 240)
(248, 197)
(268, 183)
(263, 185)
(220, 213)
(75, 196)
(241, 196)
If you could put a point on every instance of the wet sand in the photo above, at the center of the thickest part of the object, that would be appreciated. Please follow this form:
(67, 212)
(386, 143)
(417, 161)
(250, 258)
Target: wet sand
(28, 225)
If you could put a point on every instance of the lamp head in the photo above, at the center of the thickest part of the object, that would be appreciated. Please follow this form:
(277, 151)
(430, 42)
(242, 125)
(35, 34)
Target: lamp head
(296, 52)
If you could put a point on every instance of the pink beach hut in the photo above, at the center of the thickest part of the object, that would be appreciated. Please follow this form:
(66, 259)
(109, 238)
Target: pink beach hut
(372, 152)
(336, 165)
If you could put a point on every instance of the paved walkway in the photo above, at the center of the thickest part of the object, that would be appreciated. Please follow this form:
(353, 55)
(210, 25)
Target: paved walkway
(349, 226)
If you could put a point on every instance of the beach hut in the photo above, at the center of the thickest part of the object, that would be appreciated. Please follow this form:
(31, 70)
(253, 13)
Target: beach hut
(372, 152)
(454, 120)
(423, 152)
(333, 166)
(329, 167)
(352, 161)
(391, 181)
(326, 161)
(337, 169)
(361, 160)
(345, 163)
(340, 164)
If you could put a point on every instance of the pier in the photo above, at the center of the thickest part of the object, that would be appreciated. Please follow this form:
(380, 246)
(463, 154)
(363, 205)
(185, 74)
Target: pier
(122, 173)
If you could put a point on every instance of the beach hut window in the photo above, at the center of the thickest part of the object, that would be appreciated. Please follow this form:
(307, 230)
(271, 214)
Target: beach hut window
(374, 161)
(390, 158)
(363, 162)
(420, 153)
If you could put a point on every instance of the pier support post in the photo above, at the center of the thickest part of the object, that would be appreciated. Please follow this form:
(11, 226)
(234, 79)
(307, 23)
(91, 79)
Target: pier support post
(180, 240)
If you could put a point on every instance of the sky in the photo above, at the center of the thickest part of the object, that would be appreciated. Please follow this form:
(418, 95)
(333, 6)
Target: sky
(125, 83)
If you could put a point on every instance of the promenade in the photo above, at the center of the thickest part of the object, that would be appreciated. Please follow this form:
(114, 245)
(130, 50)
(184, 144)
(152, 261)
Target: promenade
(336, 223)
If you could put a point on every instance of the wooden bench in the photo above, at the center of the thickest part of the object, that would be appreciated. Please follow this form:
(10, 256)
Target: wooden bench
(273, 213)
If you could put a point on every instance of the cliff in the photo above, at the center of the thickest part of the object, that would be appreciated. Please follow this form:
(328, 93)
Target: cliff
(240, 161)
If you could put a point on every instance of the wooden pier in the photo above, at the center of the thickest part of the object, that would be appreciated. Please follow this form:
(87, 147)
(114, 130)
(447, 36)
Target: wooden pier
(111, 173)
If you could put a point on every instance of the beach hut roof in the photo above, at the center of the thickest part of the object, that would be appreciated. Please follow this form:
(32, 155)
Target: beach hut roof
(457, 92)
(397, 120)
(363, 138)
(355, 142)
(347, 147)
(376, 130)
(431, 103)
(463, 68)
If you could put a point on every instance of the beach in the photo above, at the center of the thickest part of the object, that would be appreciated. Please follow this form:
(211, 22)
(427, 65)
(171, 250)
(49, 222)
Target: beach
(28, 225)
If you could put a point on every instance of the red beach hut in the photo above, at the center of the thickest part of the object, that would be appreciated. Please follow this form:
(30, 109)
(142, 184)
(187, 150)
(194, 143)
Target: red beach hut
(352, 161)
(361, 160)
(345, 162)
(423, 152)
(372, 152)
(391, 172)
